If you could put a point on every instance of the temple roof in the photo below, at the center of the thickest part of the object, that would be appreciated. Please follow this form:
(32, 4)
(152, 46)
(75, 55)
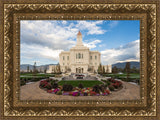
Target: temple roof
(79, 33)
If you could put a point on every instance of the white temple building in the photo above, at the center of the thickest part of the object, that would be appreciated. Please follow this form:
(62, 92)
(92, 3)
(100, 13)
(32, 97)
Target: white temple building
(80, 59)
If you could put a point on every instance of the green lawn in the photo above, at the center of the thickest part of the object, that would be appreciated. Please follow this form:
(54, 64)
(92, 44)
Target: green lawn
(124, 75)
(38, 75)
(75, 83)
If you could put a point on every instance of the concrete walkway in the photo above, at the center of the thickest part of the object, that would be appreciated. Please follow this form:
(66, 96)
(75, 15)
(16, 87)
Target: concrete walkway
(33, 92)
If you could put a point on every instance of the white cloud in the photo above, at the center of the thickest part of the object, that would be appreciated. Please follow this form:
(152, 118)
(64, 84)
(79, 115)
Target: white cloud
(64, 22)
(113, 24)
(128, 52)
(92, 44)
(102, 45)
(91, 27)
(47, 34)
(37, 51)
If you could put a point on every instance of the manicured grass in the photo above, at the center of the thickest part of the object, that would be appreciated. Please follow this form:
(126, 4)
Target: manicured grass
(38, 75)
(124, 75)
(75, 83)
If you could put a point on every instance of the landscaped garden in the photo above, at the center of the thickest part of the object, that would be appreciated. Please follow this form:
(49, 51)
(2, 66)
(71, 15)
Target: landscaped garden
(80, 87)
(86, 83)
(30, 77)
(123, 76)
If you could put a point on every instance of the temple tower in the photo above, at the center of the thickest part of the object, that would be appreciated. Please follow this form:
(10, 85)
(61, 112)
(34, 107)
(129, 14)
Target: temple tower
(79, 39)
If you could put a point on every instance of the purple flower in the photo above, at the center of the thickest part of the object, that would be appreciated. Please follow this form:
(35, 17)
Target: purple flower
(97, 94)
(81, 94)
(75, 93)
(66, 93)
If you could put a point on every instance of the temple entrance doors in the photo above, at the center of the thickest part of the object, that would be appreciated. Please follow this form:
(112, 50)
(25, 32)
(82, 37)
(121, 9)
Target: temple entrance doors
(79, 70)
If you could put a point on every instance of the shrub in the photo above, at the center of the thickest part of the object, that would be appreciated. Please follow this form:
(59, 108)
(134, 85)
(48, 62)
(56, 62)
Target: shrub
(52, 82)
(43, 83)
(111, 88)
(117, 84)
(85, 94)
(80, 86)
(23, 82)
(48, 86)
(59, 93)
(108, 83)
(67, 87)
(96, 88)
(102, 88)
(55, 85)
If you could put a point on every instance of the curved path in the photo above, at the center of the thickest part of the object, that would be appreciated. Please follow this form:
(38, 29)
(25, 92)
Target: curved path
(33, 92)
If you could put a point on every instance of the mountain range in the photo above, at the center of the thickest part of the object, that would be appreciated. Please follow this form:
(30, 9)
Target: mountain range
(23, 67)
(122, 65)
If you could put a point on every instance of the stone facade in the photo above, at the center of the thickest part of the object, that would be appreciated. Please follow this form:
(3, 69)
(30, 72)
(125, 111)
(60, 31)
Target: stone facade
(80, 59)
(108, 68)
(51, 69)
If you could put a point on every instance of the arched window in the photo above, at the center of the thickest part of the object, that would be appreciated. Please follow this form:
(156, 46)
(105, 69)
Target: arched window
(96, 57)
(79, 55)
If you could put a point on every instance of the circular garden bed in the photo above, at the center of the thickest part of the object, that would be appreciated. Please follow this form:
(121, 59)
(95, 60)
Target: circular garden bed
(67, 88)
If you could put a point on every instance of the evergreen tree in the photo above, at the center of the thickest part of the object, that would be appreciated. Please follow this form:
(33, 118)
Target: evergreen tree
(115, 69)
(127, 69)
(28, 69)
(34, 68)
(54, 70)
(133, 70)
(45, 69)
(58, 69)
(107, 70)
(100, 69)
(103, 71)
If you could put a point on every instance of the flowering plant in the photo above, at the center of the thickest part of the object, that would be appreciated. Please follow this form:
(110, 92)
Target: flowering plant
(75, 91)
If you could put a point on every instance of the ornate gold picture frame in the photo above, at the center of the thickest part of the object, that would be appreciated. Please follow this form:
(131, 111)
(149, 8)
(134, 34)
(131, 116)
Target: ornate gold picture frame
(11, 12)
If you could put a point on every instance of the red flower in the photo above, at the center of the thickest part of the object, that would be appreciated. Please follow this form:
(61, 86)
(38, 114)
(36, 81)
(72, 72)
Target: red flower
(107, 91)
(49, 91)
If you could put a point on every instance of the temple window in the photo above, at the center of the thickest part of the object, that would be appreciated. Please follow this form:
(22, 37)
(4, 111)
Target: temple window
(91, 57)
(68, 57)
(96, 57)
(63, 57)
(79, 55)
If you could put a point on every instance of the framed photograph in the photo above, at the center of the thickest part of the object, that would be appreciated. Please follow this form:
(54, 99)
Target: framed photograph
(79, 59)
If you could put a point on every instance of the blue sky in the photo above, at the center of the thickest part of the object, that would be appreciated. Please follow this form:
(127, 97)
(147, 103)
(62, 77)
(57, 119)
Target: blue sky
(42, 41)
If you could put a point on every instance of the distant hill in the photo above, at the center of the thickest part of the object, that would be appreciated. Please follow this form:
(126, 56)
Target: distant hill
(122, 65)
(23, 67)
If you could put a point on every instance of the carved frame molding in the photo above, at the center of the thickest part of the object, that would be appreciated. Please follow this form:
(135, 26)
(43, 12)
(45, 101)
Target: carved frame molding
(13, 13)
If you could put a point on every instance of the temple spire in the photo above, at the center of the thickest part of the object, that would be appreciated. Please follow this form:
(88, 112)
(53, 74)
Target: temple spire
(79, 39)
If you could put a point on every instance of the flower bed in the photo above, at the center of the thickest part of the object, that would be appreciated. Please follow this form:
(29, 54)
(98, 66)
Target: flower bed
(66, 89)
(114, 83)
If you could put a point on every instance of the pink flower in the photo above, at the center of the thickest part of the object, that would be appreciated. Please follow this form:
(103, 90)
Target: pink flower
(55, 90)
